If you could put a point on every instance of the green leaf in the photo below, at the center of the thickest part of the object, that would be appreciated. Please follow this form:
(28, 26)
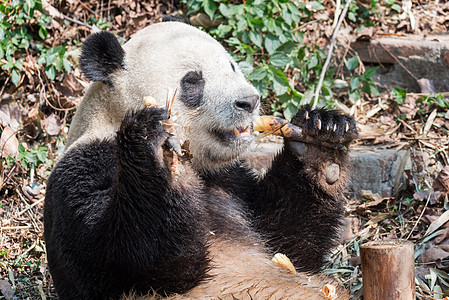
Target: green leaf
(365, 88)
(67, 65)
(43, 33)
(339, 84)
(261, 87)
(352, 63)
(355, 83)
(290, 111)
(228, 11)
(246, 67)
(279, 59)
(280, 81)
(41, 60)
(312, 62)
(271, 43)
(242, 25)
(59, 64)
(28, 6)
(15, 77)
(279, 88)
(51, 57)
(374, 90)
(256, 38)
(287, 47)
(296, 15)
(354, 95)
(352, 16)
(259, 73)
(316, 5)
(209, 8)
(50, 71)
(370, 72)
(307, 97)
(399, 95)
(397, 8)
(287, 16)
(24, 43)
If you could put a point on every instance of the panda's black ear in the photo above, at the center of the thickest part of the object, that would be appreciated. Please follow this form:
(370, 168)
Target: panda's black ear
(101, 55)
(171, 19)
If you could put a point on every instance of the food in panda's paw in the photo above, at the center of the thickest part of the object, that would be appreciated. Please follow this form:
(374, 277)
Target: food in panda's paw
(284, 262)
(281, 127)
(172, 147)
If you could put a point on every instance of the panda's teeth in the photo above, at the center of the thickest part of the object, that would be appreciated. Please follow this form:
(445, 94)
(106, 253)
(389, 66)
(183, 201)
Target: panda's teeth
(246, 131)
(237, 132)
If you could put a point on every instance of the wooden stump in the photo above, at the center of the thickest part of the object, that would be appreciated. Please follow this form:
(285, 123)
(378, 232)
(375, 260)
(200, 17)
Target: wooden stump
(388, 270)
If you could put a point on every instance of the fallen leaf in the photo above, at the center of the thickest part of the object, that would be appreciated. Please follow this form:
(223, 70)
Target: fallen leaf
(429, 122)
(6, 289)
(443, 178)
(51, 124)
(438, 223)
(374, 198)
(9, 145)
(433, 254)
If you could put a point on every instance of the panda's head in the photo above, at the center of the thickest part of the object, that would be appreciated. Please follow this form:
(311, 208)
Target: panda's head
(214, 105)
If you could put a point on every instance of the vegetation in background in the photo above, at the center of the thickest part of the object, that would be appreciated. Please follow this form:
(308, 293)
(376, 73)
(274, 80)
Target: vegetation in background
(265, 37)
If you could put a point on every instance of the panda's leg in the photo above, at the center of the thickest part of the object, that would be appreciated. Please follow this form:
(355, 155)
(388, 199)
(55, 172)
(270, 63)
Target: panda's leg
(299, 202)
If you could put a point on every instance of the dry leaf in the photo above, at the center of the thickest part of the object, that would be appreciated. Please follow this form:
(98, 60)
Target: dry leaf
(433, 254)
(438, 223)
(9, 145)
(443, 178)
(51, 124)
(6, 289)
(429, 122)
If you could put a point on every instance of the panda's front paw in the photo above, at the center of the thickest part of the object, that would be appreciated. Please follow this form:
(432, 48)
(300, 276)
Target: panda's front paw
(326, 133)
(326, 126)
(144, 127)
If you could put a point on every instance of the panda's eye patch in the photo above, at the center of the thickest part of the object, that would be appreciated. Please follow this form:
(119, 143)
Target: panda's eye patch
(192, 87)
(193, 77)
(232, 66)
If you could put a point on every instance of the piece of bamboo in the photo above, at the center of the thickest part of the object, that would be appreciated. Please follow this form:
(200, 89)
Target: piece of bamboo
(388, 270)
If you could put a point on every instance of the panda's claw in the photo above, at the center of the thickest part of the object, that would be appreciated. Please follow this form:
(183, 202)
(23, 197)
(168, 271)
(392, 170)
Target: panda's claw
(326, 127)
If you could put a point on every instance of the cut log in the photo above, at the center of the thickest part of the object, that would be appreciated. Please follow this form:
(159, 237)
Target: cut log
(388, 270)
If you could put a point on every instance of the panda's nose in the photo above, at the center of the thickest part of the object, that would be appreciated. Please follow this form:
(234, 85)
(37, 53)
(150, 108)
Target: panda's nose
(248, 104)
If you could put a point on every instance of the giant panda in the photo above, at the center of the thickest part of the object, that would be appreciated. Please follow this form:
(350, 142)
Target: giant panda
(120, 224)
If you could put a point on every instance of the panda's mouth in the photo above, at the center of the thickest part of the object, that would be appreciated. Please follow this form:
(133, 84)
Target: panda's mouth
(240, 133)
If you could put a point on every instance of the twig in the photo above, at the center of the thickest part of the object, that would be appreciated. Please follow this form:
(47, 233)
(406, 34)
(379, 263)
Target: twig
(30, 207)
(15, 227)
(420, 216)
(398, 61)
(77, 22)
(329, 54)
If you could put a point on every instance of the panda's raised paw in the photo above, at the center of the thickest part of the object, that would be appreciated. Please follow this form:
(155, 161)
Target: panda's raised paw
(144, 125)
(326, 126)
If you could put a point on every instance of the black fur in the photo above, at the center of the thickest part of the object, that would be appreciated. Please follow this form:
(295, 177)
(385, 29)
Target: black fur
(101, 55)
(116, 221)
(192, 88)
(113, 223)
(171, 19)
